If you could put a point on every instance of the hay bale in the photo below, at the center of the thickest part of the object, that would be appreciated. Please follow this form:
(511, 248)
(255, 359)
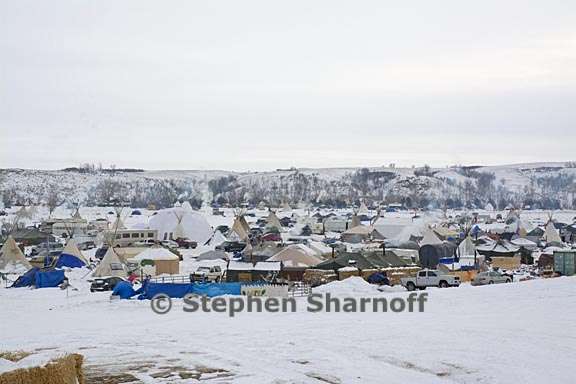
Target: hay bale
(63, 370)
(14, 356)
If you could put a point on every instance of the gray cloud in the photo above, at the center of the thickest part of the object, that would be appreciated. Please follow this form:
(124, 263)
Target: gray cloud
(260, 85)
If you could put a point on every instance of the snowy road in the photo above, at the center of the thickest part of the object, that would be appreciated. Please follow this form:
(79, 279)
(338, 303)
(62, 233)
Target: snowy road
(522, 332)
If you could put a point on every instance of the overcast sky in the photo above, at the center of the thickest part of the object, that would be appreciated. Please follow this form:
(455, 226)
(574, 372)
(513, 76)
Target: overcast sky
(257, 85)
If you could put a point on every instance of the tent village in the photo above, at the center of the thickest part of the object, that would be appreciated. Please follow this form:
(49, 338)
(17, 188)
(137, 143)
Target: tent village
(280, 245)
(120, 256)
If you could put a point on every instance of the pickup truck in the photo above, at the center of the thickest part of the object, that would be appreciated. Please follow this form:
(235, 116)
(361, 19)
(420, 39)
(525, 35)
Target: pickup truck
(207, 274)
(430, 278)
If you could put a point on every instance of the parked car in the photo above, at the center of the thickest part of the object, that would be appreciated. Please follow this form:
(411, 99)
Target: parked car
(86, 245)
(430, 278)
(105, 284)
(490, 277)
(231, 246)
(206, 273)
(169, 244)
(145, 243)
(100, 253)
(185, 243)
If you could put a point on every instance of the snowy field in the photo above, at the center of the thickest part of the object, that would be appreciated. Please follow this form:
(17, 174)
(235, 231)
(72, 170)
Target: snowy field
(514, 333)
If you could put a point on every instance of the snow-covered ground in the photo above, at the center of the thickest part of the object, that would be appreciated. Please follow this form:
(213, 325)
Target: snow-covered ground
(511, 333)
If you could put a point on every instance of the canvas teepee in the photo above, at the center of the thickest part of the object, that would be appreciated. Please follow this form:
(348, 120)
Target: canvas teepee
(111, 265)
(11, 257)
(216, 239)
(551, 234)
(187, 206)
(71, 256)
(363, 210)
(272, 221)
(355, 221)
(178, 232)
(467, 248)
(118, 223)
(430, 238)
(239, 230)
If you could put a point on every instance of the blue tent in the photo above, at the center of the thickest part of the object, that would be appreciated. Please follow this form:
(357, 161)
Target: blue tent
(70, 261)
(40, 279)
(49, 279)
(26, 280)
(124, 290)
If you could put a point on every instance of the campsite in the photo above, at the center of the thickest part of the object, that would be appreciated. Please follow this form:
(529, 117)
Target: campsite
(105, 323)
(287, 192)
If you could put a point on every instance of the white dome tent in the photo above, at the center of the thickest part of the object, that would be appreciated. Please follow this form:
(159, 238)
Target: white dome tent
(177, 221)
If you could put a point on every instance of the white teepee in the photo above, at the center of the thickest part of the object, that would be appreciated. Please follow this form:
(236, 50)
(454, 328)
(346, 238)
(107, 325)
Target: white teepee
(467, 248)
(111, 265)
(178, 232)
(551, 234)
(272, 221)
(430, 238)
(11, 257)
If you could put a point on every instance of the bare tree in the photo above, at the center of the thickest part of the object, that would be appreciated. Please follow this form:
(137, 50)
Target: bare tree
(53, 198)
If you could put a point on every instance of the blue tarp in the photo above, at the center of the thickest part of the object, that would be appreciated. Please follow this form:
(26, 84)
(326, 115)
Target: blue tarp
(175, 290)
(124, 290)
(49, 278)
(70, 261)
(26, 280)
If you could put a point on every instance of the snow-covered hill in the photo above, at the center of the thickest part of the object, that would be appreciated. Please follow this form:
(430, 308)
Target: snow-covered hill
(543, 185)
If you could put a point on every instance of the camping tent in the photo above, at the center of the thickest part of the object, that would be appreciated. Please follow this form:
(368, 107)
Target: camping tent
(272, 221)
(240, 229)
(296, 256)
(111, 265)
(40, 278)
(157, 261)
(360, 233)
(71, 256)
(213, 255)
(466, 248)
(430, 254)
(363, 210)
(193, 225)
(11, 257)
(178, 232)
(551, 235)
(430, 238)
(216, 239)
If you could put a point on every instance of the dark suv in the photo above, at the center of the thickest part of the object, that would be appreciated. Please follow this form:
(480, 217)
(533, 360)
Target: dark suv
(231, 246)
(105, 284)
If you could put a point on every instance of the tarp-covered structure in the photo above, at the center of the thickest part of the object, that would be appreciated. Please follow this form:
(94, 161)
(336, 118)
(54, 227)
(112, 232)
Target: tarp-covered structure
(430, 254)
(40, 278)
(179, 290)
